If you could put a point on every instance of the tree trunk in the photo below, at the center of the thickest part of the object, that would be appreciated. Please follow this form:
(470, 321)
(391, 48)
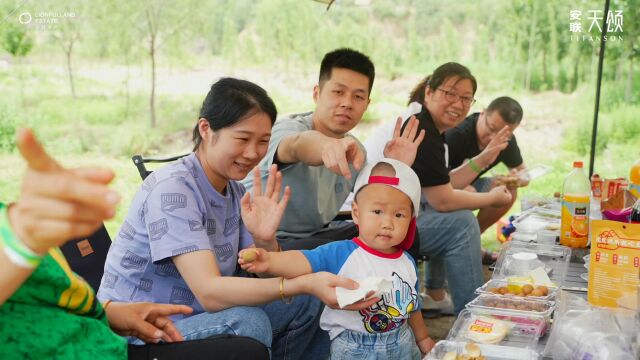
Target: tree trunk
(68, 51)
(127, 90)
(576, 73)
(629, 87)
(544, 66)
(619, 70)
(21, 81)
(530, 52)
(152, 98)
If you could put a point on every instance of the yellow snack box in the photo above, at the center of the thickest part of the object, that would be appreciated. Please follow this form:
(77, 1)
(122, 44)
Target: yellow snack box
(614, 264)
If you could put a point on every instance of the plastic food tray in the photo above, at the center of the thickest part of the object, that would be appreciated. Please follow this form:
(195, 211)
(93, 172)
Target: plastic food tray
(498, 283)
(524, 313)
(515, 338)
(490, 352)
(535, 219)
(554, 258)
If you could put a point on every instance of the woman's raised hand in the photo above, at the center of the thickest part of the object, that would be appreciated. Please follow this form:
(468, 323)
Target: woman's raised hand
(404, 145)
(262, 211)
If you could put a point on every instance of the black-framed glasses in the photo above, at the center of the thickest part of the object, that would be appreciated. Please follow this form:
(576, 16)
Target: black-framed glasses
(453, 97)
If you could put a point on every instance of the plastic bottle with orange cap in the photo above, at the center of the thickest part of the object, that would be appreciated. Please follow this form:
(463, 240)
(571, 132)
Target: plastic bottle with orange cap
(634, 179)
(634, 188)
(576, 189)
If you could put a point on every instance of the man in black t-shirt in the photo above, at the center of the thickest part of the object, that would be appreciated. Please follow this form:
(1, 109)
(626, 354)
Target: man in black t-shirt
(476, 142)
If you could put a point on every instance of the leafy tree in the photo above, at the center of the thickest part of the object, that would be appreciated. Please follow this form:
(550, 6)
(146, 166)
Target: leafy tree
(18, 43)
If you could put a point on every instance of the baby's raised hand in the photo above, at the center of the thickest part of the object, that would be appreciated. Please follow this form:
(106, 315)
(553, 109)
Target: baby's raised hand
(254, 260)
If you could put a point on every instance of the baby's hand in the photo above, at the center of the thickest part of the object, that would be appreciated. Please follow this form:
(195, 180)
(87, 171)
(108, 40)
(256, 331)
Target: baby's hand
(426, 345)
(254, 260)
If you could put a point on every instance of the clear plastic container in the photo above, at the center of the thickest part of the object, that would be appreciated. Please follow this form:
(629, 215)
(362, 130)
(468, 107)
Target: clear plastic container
(555, 259)
(514, 340)
(502, 283)
(523, 237)
(536, 219)
(490, 352)
(527, 314)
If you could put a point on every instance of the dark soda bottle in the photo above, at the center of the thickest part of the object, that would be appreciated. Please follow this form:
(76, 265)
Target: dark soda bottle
(635, 213)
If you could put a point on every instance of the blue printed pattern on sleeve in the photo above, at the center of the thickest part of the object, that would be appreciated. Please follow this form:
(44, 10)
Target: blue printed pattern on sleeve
(330, 257)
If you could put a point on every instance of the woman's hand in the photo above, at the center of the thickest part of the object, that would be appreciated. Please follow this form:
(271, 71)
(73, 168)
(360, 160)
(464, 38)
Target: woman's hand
(323, 286)
(147, 321)
(58, 204)
(404, 147)
(254, 260)
(261, 213)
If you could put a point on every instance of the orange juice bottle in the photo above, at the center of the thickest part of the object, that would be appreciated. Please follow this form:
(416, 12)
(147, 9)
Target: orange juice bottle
(574, 228)
(634, 179)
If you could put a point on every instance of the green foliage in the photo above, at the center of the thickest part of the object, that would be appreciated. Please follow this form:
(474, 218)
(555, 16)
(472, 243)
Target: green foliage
(16, 41)
(9, 122)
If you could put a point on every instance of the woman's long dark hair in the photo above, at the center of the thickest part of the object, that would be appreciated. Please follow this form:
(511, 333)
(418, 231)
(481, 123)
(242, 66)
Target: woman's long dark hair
(231, 100)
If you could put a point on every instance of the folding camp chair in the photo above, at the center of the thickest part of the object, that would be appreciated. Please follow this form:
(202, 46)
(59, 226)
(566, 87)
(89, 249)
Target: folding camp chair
(87, 256)
(140, 162)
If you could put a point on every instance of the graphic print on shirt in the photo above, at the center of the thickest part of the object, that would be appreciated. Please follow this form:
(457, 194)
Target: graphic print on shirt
(223, 252)
(195, 225)
(181, 296)
(145, 285)
(231, 224)
(149, 183)
(158, 229)
(172, 201)
(393, 308)
(127, 231)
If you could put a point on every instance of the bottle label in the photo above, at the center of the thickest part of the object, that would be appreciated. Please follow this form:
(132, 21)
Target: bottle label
(575, 221)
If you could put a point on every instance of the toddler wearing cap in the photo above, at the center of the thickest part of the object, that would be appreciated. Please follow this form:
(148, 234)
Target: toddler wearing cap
(386, 204)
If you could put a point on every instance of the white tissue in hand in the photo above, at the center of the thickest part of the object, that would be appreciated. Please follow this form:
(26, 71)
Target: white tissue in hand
(379, 285)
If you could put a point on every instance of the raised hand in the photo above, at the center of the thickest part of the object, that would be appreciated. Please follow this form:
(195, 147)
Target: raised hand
(262, 212)
(254, 260)
(338, 154)
(404, 146)
(495, 146)
(58, 204)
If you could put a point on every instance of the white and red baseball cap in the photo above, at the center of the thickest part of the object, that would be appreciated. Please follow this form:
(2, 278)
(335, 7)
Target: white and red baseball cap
(405, 180)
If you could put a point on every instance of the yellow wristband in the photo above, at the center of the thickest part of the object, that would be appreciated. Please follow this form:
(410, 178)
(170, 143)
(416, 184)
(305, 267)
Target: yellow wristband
(287, 300)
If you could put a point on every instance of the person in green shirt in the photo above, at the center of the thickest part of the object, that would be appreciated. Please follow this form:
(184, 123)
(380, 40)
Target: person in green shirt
(47, 311)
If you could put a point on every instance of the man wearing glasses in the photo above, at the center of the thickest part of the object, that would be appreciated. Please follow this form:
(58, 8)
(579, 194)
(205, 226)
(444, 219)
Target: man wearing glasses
(482, 141)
